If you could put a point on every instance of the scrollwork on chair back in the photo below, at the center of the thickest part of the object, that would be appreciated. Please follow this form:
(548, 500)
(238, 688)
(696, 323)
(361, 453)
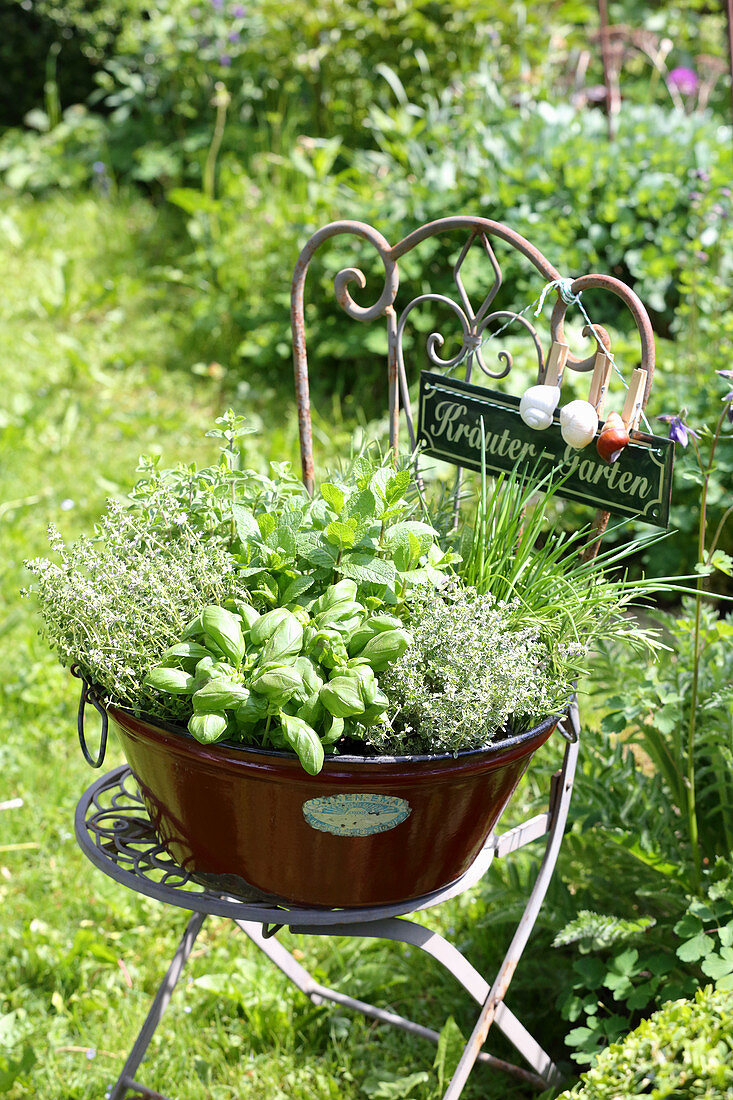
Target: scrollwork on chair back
(475, 324)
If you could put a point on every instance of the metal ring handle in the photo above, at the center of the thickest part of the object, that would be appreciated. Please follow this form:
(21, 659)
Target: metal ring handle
(88, 696)
(572, 717)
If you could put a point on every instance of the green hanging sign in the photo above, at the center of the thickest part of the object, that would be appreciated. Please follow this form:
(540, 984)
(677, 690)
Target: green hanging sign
(638, 484)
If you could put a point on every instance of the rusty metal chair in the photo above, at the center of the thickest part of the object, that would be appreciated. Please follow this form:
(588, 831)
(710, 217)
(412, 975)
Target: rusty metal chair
(112, 825)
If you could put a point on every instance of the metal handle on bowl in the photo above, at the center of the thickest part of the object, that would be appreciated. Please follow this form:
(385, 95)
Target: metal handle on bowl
(88, 696)
(571, 732)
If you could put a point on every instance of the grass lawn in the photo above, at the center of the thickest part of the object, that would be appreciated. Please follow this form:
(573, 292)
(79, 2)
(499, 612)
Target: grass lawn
(96, 366)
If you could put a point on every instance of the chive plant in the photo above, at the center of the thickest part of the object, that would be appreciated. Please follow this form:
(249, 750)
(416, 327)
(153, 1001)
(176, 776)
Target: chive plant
(514, 552)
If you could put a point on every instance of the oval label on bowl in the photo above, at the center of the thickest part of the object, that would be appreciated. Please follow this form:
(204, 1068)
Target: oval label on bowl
(355, 814)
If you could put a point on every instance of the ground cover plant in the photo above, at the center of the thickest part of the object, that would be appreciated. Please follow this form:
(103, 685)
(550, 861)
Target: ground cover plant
(672, 833)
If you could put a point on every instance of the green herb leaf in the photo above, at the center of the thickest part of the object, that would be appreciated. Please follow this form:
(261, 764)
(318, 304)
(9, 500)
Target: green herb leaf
(397, 486)
(341, 592)
(322, 555)
(279, 684)
(386, 648)
(245, 523)
(207, 728)
(333, 732)
(252, 713)
(182, 653)
(361, 506)
(311, 711)
(261, 631)
(341, 535)
(266, 523)
(219, 695)
(342, 696)
(285, 641)
(304, 741)
(368, 569)
(226, 631)
(296, 587)
(174, 680)
(333, 496)
(309, 673)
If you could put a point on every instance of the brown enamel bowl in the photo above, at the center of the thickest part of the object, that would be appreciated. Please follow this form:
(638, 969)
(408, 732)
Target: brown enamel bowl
(364, 831)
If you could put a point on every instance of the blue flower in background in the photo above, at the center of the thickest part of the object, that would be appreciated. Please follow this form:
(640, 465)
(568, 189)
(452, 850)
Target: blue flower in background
(679, 432)
(101, 179)
(728, 374)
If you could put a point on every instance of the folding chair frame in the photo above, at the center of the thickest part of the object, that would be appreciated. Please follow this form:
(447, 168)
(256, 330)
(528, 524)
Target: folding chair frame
(111, 822)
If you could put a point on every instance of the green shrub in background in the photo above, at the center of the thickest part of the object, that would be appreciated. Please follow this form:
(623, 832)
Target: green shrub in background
(683, 1050)
(156, 65)
(654, 796)
(653, 208)
(626, 208)
(42, 64)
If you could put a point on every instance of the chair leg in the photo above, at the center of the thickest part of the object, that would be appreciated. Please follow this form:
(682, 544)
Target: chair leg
(125, 1082)
(494, 1001)
(417, 935)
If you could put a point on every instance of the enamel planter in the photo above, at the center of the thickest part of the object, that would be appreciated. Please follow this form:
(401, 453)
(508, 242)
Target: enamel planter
(364, 831)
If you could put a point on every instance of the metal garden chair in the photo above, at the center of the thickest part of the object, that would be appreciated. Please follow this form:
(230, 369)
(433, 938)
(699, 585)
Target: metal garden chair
(112, 825)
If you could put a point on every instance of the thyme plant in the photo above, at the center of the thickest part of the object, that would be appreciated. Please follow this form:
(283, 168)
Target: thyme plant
(115, 603)
(467, 677)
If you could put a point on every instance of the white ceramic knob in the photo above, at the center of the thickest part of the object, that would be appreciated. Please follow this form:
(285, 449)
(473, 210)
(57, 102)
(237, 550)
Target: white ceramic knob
(537, 406)
(578, 423)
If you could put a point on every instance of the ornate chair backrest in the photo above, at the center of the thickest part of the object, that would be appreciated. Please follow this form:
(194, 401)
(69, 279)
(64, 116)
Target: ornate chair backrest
(475, 324)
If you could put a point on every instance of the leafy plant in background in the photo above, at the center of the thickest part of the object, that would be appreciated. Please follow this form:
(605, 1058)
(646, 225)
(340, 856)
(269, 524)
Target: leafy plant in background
(623, 970)
(655, 795)
(703, 332)
(693, 744)
(682, 1050)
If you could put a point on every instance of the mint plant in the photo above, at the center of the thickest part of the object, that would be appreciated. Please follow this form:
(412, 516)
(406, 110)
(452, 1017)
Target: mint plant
(291, 678)
(361, 527)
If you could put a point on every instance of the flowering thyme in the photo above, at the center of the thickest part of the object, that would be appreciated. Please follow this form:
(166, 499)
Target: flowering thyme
(115, 603)
(467, 677)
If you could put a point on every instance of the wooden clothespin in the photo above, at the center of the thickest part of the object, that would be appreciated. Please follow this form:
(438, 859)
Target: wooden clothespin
(599, 381)
(556, 361)
(631, 413)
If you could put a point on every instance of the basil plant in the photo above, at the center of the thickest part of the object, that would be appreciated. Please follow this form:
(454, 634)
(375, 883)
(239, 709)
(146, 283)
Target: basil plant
(296, 679)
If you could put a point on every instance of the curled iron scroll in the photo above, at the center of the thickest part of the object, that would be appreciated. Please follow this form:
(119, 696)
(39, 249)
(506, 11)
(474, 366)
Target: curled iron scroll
(481, 229)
